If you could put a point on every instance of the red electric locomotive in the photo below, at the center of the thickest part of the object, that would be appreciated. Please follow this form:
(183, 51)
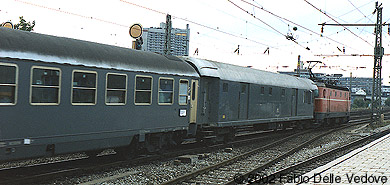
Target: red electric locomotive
(332, 104)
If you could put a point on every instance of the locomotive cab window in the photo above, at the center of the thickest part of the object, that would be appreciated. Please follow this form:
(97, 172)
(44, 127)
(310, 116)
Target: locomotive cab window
(45, 86)
(183, 92)
(165, 91)
(84, 87)
(143, 90)
(116, 89)
(8, 83)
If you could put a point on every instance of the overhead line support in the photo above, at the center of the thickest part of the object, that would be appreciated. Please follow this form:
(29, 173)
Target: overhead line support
(376, 101)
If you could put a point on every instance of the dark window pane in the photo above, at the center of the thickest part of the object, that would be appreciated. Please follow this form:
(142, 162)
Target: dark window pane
(46, 77)
(243, 88)
(83, 96)
(166, 85)
(143, 83)
(164, 97)
(193, 91)
(81, 79)
(116, 81)
(44, 95)
(116, 96)
(7, 94)
(142, 97)
(7, 74)
(225, 87)
(262, 90)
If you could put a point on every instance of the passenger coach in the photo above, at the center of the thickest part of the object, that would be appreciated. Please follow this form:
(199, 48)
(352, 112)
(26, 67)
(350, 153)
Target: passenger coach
(61, 95)
(232, 96)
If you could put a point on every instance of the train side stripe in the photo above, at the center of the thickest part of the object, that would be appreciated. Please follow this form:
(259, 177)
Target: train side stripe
(331, 99)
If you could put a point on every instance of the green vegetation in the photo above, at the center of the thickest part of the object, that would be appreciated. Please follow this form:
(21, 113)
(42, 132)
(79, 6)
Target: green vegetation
(24, 25)
(360, 103)
(387, 102)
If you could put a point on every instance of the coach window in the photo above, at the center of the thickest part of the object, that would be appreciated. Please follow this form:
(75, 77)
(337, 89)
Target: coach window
(283, 92)
(143, 90)
(116, 89)
(183, 92)
(45, 86)
(262, 90)
(8, 83)
(335, 94)
(270, 91)
(165, 91)
(84, 87)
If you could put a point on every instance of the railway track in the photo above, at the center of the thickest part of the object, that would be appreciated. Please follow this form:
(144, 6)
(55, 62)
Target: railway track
(236, 170)
(226, 170)
(297, 170)
(265, 175)
(46, 172)
(50, 170)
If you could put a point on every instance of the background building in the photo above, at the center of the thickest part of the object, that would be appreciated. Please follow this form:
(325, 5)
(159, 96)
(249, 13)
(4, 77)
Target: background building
(154, 40)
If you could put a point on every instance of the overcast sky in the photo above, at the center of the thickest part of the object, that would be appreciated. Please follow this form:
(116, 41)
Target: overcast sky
(218, 27)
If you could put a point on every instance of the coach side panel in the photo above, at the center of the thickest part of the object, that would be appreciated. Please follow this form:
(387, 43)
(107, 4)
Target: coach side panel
(80, 108)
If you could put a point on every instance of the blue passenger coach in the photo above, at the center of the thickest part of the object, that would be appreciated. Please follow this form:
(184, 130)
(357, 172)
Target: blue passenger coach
(61, 95)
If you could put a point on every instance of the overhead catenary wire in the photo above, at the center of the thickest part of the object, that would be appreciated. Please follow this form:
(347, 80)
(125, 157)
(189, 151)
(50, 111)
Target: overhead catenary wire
(71, 13)
(156, 11)
(239, 7)
(338, 22)
(319, 34)
(360, 11)
(199, 24)
(339, 17)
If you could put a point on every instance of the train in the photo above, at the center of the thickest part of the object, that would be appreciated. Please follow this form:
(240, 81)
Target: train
(61, 95)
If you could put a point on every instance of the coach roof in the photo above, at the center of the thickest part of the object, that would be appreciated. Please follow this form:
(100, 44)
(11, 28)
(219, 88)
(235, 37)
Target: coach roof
(39, 47)
(248, 75)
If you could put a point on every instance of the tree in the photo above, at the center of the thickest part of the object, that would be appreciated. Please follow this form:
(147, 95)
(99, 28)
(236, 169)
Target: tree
(387, 102)
(360, 103)
(24, 25)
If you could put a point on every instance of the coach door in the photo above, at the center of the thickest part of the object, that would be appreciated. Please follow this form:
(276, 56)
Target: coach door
(294, 102)
(243, 101)
(194, 100)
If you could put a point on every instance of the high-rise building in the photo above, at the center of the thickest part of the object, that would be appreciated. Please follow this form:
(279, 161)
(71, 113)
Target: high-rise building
(154, 40)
